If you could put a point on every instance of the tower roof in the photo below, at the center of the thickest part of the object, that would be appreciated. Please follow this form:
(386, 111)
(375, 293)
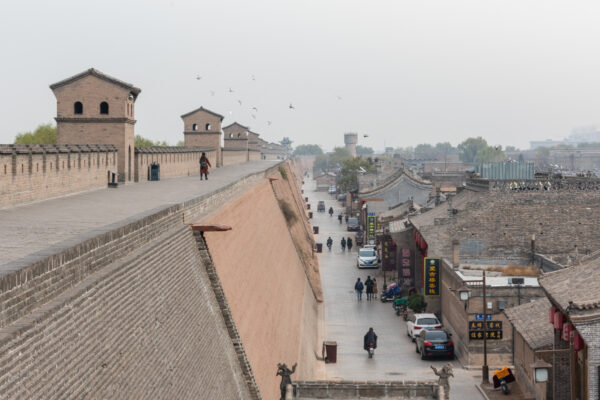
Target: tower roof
(94, 72)
(234, 124)
(205, 110)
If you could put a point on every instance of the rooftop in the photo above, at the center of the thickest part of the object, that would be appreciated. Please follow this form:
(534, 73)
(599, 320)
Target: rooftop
(531, 321)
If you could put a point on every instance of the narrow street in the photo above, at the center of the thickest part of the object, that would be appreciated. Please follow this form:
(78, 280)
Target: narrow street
(347, 319)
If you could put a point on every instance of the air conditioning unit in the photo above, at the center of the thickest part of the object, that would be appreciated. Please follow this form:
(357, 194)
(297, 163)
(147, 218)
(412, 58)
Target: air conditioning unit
(516, 281)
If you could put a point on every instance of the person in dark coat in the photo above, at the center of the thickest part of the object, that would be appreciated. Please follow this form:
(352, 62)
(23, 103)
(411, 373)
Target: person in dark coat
(369, 286)
(349, 243)
(358, 286)
(204, 164)
(370, 337)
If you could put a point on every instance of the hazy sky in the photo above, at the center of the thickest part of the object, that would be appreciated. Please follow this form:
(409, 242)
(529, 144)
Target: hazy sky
(406, 71)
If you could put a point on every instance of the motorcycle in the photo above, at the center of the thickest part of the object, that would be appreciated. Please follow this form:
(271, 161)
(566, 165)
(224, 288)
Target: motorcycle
(502, 377)
(371, 350)
(390, 293)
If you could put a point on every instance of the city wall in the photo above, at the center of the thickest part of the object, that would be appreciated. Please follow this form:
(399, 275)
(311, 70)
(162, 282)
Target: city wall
(234, 156)
(30, 173)
(174, 161)
(137, 310)
(270, 278)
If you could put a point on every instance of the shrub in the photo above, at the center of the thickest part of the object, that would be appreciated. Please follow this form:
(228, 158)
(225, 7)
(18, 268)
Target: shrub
(283, 173)
(288, 212)
(416, 302)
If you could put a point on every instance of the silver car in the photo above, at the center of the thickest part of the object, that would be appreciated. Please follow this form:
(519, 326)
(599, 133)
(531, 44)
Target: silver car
(367, 258)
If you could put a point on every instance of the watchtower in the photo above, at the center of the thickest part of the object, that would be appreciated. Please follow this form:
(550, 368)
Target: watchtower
(95, 108)
(350, 140)
(236, 136)
(202, 128)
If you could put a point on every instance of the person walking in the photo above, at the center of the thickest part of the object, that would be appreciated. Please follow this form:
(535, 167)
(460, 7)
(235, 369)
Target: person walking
(369, 286)
(358, 287)
(349, 243)
(343, 243)
(204, 164)
(375, 290)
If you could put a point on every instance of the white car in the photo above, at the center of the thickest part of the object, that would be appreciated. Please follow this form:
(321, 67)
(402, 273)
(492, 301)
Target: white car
(417, 322)
(367, 258)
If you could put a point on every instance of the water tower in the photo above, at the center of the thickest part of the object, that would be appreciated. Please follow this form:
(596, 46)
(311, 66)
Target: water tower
(350, 139)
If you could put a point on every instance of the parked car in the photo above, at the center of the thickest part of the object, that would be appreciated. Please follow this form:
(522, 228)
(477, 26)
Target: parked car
(353, 225)
(341, 197)
(434, 342)
(367, 258)
(321, 206)
(332, 190)
(359, 238)
(417, 322)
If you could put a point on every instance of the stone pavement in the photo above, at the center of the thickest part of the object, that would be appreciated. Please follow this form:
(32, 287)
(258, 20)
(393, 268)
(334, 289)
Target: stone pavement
(35, 228)
(347, 320)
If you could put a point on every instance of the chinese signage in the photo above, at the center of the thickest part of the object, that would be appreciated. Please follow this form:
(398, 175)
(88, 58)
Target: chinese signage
(479, 317)
(388, 254)
(493, 330)
(371, 225)
(406, 268)
(431, 276)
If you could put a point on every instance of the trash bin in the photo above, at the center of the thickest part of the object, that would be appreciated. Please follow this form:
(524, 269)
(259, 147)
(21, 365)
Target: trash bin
(308, 206)
(306, 199)
(310, 214)
(154, 171)
(330, 352)
(319, 247)
(316, 230)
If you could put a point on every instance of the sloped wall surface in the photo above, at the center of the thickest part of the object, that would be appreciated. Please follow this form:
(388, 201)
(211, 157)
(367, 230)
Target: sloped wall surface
(265, 281)
(146, 326)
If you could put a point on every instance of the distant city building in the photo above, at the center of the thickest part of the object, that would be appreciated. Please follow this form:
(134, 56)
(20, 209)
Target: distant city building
(586, 134)
(350, 140)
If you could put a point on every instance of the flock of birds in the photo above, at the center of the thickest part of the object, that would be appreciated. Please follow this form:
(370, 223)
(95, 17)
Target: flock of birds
(253, 109)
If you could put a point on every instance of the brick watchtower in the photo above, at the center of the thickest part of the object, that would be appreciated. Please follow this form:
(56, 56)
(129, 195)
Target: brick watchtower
(202, 128)
(94, 108)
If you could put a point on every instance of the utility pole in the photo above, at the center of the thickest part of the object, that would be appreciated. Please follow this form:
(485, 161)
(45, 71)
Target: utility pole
(484, 369)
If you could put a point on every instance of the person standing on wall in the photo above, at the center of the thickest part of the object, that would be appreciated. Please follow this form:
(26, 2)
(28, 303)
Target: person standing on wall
(204, 164)
(369, 286)
(358, 286)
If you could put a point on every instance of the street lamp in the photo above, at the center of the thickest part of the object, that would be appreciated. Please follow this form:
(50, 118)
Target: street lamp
(541, 370)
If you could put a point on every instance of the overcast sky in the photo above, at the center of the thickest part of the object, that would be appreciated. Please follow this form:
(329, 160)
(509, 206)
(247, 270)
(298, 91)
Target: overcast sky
(407, 72)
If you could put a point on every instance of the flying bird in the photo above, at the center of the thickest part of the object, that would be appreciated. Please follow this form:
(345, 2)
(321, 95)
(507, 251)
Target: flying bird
(231, 90)
(269, 123)
(255, 109)
(365, 135)
(198, 77)
(339, 97)
(230, 112)
(253, 116)
(212, 92)
(253, 77)
(239, 101)
(291, 107)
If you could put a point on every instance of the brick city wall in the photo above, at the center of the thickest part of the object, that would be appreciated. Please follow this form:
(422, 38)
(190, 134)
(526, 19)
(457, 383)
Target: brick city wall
(234, 156)
(174, 161)
(259, 265)
(590, 332)
(30, 173)
(347, 390)
(253, 155)
(125, 314)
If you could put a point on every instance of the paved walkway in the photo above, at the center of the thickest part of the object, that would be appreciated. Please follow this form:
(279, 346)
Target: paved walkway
(347, 320)
(32, 228)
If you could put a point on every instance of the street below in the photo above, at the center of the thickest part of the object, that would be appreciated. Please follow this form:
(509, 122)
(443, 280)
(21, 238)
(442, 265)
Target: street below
(347, 319)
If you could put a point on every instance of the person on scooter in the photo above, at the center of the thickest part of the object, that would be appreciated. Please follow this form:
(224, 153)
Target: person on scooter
(349, 243)
(340, 218)
(343, 243)
(329, 242)
(331, 211)
(370, 340)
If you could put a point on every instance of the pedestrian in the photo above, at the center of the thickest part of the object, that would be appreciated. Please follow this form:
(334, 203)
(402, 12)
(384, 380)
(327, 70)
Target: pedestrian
(369, 286)
(375, 287)
(349, 243)
(343, 243)
(204, 164)
(346, 218)
(358, 286)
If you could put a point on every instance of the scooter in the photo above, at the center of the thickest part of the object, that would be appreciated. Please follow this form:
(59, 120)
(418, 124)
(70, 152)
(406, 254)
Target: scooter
(371, 350)
(502, 377)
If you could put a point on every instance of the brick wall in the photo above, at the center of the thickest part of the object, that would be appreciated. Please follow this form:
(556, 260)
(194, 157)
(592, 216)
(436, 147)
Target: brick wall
(360, 390)
(590, 332)
(205, 140)
(253, 155)
(126, 314)
(30, 173)
(234, 156)
(264, 280)
(174, 161)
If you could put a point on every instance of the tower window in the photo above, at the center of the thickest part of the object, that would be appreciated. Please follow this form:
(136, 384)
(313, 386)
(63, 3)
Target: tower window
(208, 127)
(231, 135)
(78, 107)
(104, 108)
(239, 135)
(195, 127)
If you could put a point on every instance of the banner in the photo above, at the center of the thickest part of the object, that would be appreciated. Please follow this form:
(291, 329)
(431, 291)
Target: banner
(405, 272)
(431, 274)
(371, 225)
(388, 254)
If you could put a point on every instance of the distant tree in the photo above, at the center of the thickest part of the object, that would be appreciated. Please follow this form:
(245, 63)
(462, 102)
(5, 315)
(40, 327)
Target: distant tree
(469, 149)
(363, 150)
(181, 143)
(588, 145)
(337, 157)
(43, 134)
(510, 148)
(350, 171)
(307, 150)
(445, 148)
(521, 158)
(287, 143)
(542, 156)
(425, 151)
(405, 152)
(141, 141)
(321, 164)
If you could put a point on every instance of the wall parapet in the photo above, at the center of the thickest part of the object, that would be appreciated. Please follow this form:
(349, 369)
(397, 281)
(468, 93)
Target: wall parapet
(366, 389)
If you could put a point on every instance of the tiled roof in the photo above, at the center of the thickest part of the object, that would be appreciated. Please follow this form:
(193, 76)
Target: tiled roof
(97, 74)
(205, 110)
(575, 288)
(531, 321)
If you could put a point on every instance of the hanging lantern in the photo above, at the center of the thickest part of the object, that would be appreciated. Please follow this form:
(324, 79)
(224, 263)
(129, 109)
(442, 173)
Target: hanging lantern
(566, 333)
(577, 341)
(552, 311)
(558, 320)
